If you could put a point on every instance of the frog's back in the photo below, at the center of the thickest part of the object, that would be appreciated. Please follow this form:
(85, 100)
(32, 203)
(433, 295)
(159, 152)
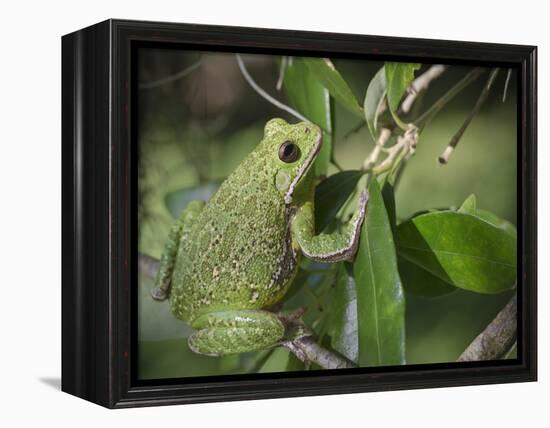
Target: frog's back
(238, 254)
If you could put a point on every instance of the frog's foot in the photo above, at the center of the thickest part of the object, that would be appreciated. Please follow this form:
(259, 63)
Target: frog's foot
(159, 294)
(235, 331)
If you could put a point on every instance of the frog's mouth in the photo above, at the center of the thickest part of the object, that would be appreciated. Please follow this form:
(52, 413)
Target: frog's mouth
(304, 168)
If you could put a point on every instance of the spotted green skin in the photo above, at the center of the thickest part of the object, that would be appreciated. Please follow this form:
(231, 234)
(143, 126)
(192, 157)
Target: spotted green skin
(228, 261)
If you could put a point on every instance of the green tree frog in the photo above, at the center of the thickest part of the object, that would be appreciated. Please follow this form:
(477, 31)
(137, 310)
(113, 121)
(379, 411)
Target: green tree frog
(230, 260)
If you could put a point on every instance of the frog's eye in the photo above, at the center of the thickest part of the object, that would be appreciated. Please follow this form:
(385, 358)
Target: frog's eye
(288, 152)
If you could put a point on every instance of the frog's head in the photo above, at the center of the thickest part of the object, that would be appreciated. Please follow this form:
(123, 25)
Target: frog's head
(293, 148)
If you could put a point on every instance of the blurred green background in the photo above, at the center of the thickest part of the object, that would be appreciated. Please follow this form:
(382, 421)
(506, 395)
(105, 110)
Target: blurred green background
(198, 118)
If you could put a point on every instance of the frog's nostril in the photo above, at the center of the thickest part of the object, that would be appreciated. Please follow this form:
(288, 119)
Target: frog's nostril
(306, 130)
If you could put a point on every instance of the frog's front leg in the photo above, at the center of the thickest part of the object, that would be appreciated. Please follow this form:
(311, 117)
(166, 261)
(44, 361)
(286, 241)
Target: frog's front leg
(332, 247)
(235, 331)
(178, 233)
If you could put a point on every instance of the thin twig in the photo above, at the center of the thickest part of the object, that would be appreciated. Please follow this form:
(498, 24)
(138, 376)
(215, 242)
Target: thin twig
(448, 96)
(265, 95)
(497, 338)
(307, 350)
(282, 69)
(405, 146)
(421, 83)
(383, 138)
(171, 78)
(444, 158)
(506, 83)
(418, 85)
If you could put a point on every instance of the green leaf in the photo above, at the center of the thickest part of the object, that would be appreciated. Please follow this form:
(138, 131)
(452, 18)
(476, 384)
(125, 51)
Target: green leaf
(330, 78)
(342, 325)
(414, 279)
(419, 281)
(376, 91)
(498, 222)
(294, 364)
(380, 298)
(177, 200)
(460, 249)
(331, 194)
(399, 76)
(469, 206)
(312, 99)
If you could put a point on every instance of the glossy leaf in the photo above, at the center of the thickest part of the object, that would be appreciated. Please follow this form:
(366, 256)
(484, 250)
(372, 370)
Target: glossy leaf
(374, 97)
(312, 99)
(414, 279)
(469, 206)
(496, 221)
(460, 249)
(342, 326)
(380, 298)
(331, 194)
(330, 78)
(399, 76)
(177, 200)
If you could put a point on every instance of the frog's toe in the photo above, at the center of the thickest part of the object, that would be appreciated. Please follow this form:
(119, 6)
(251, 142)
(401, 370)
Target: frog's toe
(159, 294)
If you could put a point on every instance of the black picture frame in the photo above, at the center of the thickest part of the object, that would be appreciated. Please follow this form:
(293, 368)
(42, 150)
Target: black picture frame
(99, 255)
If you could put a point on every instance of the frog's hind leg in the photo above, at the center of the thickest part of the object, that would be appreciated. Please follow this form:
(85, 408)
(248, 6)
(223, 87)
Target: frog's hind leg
(235, 331)
(178, 234)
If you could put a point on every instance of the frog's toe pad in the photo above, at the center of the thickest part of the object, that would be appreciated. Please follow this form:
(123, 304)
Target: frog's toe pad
(159, 294)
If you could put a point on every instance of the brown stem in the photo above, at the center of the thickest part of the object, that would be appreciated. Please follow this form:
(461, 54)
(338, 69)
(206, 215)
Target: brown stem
(444, 158)
(497, 338)
(448, 96)
(307, 350)
(421, 83)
